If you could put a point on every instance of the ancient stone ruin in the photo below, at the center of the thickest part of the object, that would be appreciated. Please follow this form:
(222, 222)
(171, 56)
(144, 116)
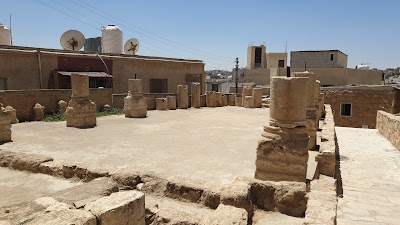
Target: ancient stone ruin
(13, 114)
(81, 111)
(171, 101)
(5, 126)
(211, 99)
(282, 152)
(161, 103)
(135, 105)
(195, 97)
(62, 106)
(38, 112)
(312, 100)
(183, 97)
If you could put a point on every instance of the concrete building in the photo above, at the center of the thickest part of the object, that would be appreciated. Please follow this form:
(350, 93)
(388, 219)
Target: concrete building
(318, 59)
(24, 68)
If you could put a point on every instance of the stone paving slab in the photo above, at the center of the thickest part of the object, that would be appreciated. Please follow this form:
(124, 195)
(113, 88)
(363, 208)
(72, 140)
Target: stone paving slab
(370, 169)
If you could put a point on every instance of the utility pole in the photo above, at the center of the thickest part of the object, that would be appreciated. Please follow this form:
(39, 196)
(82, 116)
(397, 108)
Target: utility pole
(237, 74)
(10, 31)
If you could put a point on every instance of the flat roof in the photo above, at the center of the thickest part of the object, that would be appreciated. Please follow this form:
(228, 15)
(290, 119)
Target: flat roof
(62, 51)
(334, 50)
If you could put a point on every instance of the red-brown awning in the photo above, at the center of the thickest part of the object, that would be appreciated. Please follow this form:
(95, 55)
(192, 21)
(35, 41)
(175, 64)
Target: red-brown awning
(89, 74)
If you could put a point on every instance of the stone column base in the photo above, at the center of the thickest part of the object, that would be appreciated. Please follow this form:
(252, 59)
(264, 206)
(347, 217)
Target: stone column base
(135, 106)
(81, 113)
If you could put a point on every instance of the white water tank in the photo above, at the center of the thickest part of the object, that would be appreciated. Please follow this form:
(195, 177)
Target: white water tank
(111, 40)
(363, 67)
(5, 35)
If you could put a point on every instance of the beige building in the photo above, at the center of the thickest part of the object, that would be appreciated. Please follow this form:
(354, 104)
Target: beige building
(318, 59)
(25, 68)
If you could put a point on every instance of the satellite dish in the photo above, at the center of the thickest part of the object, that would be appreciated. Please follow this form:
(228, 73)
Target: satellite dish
(131, 46)
(72, 40)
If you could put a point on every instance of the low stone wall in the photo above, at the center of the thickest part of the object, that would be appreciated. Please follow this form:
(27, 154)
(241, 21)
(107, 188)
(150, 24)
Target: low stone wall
(326, 157)
(389, 126)
(24, 100)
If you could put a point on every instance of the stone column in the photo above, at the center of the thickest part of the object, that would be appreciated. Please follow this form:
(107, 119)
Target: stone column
(238, 101)
(161, 104)
(38, 112)
(312, 114)
(211, 99)
(224, 100)
(231, 99)
(62, 106)
(282, 152)
(195, 101)
(171, 101)
(5, 126)
(257, 94)
(13, 114)
(246, 91)
(135, 105)
(81, 112)
(218, 98)
(183, 97)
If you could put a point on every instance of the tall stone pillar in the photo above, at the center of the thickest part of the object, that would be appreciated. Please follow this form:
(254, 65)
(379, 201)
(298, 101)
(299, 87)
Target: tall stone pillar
(171, 101)
(312, 113)
(5, 126)
(81, 112)
(183, 97)
(211, 99)
(195, 101)
(246, 91)
(257, 94)
(282, 152)
(135, 104)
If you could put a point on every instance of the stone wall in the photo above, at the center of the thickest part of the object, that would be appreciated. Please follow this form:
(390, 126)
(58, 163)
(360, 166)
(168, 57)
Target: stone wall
(389, 126)
(365, 100)
(24, 100)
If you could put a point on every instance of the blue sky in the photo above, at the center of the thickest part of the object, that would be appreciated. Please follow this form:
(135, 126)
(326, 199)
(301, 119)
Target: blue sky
(218, 31)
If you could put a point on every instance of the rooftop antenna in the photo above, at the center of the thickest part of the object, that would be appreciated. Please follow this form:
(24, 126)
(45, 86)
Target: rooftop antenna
(11, 31)
(286, 47)
(72, 40)
(131, 46)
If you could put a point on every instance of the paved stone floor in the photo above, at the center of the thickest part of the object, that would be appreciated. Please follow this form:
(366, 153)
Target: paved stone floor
(370, 168)
(17, 186)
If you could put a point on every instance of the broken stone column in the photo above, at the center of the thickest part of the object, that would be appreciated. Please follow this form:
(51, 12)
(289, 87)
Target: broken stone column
(231, 99)
(81, 112)
(62, 106)
(5, 126)
(171, 101)
(238, 101)
(257, 94)
(218, 98)
(195, 98)
(13, 114)
(183, 97)
(224, 100)
(282, 152)
(311, 113)
(248, 102)
(38, 112)
(161, 104)
(211, 99)
(321, 99)
(135, 105)
(246, 91)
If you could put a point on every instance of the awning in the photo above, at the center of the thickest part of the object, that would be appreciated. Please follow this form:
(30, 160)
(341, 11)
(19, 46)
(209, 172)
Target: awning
(89, 74)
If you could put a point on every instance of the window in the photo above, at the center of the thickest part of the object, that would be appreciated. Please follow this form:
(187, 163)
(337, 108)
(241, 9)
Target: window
(158, 86)
(214, 87)
(281, 63)
(257, 57)
(345, 109)
(3, 83)
(331, 57)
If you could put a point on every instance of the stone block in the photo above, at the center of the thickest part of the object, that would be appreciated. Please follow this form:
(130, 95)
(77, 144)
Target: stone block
(125, 207)
(224, 100)
(248, 102)
(80, 86)
(5, 127)
(238, 195)
(135, 105)
(203, 102)
(13, 114)
(81, 113)
(231, 99)
(62, 106)
(226, 215)
(195, 96)
(246, 91)
(135, 87)
(183, 97)
(171, 101)
(257, 94)
(65, 216)
(161, 104)
(38, 112)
